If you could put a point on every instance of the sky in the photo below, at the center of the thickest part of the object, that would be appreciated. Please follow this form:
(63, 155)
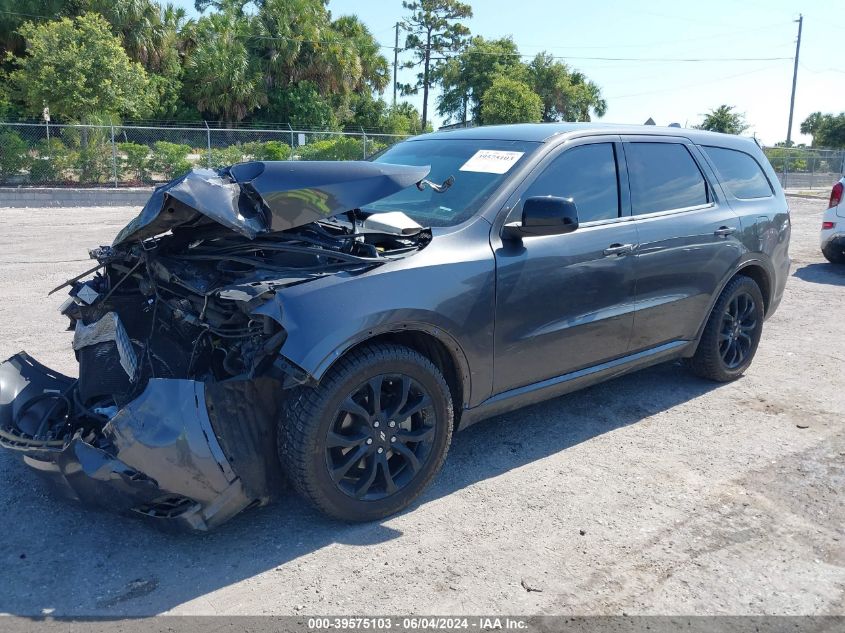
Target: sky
(754, 41)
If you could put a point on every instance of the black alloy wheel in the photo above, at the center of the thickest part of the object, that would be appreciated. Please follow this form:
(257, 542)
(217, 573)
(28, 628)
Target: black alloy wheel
(366, 441)
(739, 321)
(732, 332)
(381, 437)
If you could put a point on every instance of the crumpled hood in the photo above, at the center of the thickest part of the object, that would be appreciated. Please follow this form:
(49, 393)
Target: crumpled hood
(263, 196)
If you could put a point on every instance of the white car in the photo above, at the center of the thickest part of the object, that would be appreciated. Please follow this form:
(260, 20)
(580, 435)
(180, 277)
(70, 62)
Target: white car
(833, 226)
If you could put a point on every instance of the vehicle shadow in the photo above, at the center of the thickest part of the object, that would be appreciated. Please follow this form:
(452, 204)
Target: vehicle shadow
(831, 274)
(64, 560)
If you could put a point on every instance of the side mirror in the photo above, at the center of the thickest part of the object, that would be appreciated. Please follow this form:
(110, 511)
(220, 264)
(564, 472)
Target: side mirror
(544, 215)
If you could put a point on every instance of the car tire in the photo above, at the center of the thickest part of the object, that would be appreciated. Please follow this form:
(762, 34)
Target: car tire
(358, 456)
(834, 255)
(732, 333)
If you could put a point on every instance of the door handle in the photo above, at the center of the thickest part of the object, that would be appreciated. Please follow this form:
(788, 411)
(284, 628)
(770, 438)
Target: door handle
(619, 249)
(724, 231)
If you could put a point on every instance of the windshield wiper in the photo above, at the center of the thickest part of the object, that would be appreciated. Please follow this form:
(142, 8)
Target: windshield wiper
(434, 186)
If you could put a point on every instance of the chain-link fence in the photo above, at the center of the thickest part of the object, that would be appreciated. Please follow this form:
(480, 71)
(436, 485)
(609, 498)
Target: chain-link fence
(41, 154)
(806, 168)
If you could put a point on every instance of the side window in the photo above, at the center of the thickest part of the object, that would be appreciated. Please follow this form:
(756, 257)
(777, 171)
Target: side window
(663, 176)
(739, 173)
(587, 174)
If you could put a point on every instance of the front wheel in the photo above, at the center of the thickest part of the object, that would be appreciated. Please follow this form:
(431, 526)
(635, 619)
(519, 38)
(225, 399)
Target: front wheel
(371, 436)
(732, 332)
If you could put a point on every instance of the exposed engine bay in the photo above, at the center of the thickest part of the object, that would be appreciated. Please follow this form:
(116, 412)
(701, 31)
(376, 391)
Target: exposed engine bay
(180, 374)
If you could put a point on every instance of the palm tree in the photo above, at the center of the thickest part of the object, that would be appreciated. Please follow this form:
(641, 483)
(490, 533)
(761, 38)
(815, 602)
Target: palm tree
(138, 23)
(375, 72)
(221, 76)
(297, 41)
(587, 98)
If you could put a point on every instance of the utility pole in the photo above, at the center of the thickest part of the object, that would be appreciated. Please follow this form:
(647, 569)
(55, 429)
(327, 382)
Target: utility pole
(800, 21)
(395, 63)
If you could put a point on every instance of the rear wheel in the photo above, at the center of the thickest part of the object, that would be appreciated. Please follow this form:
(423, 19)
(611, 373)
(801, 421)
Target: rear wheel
(370, 438)
(834, 254)
(732, 333)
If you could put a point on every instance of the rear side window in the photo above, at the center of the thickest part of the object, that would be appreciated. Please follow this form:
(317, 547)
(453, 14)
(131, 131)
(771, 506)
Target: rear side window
(740, 173)
(587, 174)
(663, 177)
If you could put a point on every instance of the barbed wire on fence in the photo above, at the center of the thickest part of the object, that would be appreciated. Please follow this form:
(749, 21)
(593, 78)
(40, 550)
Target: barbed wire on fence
(49, 154)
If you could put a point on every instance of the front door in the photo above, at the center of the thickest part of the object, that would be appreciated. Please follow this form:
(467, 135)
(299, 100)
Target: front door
(564, 302)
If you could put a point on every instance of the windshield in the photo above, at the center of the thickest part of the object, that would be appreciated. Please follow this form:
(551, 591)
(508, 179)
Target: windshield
(479, 166)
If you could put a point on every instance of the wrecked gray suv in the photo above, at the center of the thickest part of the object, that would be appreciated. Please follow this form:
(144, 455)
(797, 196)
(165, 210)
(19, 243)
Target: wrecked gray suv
(331, 324)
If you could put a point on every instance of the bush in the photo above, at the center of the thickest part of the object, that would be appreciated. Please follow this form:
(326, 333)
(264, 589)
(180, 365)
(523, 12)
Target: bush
(91, 153)
(786, 159)
(134, 159)
(338, 148)
(271, 150)
(95, 163)
(42, 171)
(225, 156)
(53, 160)
(14, 154)
(170, 159)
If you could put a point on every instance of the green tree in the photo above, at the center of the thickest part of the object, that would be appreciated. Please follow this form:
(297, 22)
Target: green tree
(466, 77)
(301, 104)
(827, 130)
(13, 14)
(724, 119)
(812, 124)
(14, 156)
(222, 77)
(374, 72)
(369, 113)
(510, 101)
(297, 41)
(137, 23)
(151, 35)
(567, 95)
(403, 118)
(78, 68)
(434, 31)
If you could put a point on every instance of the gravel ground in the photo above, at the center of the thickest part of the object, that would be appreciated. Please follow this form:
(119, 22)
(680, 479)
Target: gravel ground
(655, 493)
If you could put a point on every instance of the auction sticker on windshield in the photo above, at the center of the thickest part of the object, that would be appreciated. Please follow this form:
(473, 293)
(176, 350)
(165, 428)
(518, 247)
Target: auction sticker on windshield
(491, 161)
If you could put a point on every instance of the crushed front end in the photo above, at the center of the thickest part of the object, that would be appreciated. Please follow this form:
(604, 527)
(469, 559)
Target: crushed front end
(173, 416)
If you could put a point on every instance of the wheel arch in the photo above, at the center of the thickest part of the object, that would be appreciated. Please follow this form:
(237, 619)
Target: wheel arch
(755, 269)
(433, 343)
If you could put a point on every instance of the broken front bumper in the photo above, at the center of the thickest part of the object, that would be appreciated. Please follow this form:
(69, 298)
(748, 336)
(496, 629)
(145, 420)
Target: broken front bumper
(169, 455)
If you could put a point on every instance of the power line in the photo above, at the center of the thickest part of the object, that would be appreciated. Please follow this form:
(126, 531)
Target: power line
(698, 83)
(532, 55)
(654, 43)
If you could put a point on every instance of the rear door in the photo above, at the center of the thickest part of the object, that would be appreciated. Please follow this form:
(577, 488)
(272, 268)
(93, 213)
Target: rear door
(688, 238)
(564, 302)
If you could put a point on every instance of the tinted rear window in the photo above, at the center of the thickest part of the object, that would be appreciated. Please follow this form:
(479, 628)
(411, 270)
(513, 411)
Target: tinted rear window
(740, 173)
(663, 176)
